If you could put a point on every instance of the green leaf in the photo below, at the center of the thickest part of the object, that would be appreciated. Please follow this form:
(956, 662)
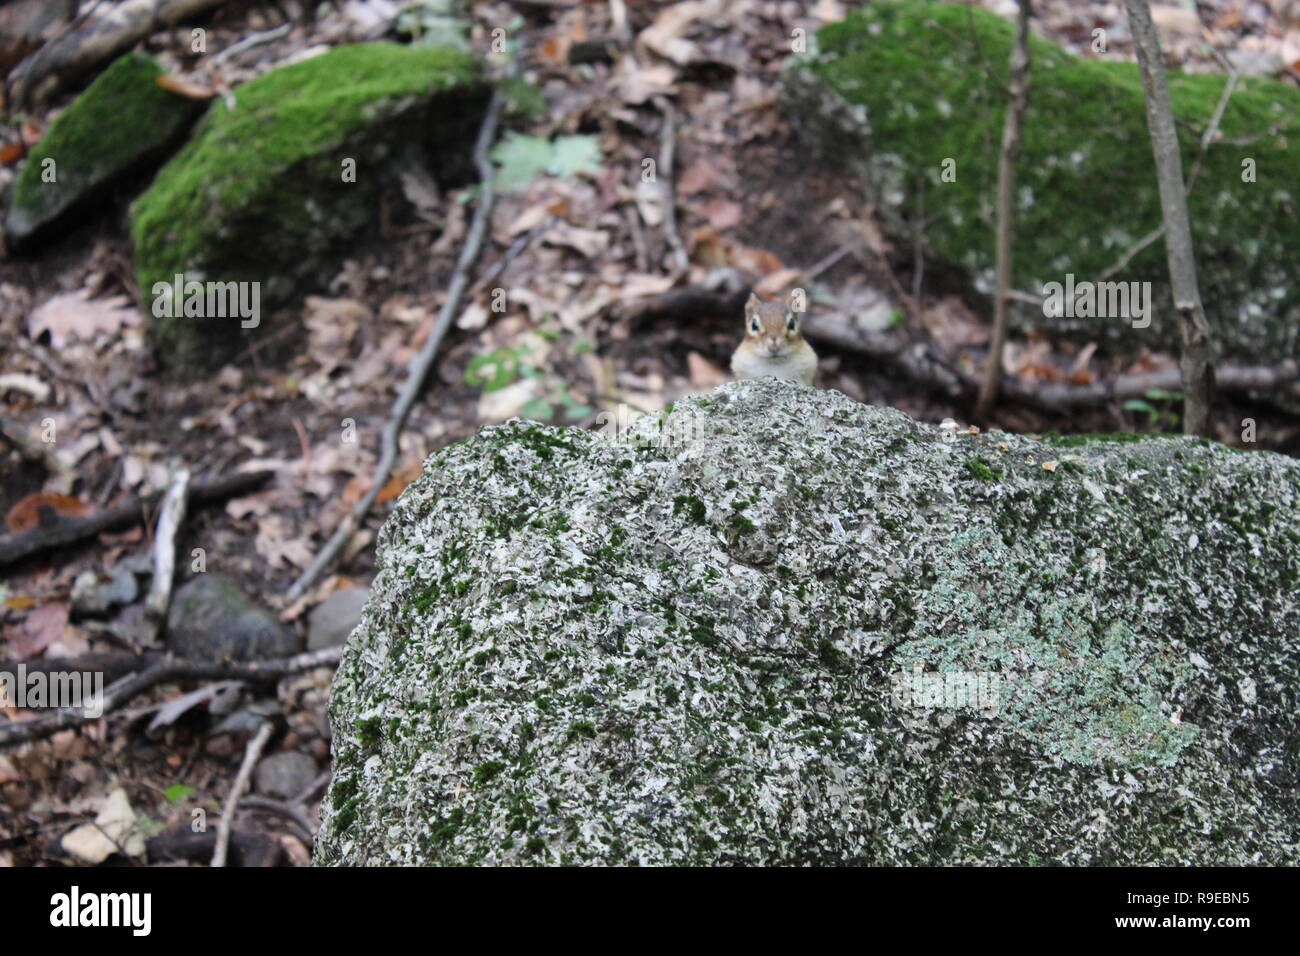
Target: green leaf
(538, 408)
(521, 158)
(1162, 395)
(177, 792)
(574, 154)
(493, 370)
(523, 98)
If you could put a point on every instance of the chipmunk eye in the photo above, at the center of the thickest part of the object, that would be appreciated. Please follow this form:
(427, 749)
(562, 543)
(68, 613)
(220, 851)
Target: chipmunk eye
(754, 325)
(791, 322)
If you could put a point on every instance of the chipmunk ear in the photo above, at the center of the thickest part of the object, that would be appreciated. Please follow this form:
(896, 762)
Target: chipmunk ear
(753, 302)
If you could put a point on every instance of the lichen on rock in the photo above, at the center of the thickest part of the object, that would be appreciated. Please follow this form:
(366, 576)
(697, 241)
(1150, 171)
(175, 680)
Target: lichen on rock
(908, 92)
(262, 193)
(742, 631)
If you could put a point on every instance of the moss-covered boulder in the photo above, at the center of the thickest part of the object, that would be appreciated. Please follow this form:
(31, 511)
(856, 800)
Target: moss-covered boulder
(901, 89)
(121, 123)
(778, 626)
(269, 192)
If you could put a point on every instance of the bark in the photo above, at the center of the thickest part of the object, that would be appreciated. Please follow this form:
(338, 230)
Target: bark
(1194, 328)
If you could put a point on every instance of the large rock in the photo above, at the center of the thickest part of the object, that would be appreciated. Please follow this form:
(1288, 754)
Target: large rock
(117, 127)
(901, 89)
(268, 193)
(706, 649)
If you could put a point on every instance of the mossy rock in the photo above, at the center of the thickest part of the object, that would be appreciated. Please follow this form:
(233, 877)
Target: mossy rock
(259, 192)
(573, 653)
(122, 122)
(896, 89)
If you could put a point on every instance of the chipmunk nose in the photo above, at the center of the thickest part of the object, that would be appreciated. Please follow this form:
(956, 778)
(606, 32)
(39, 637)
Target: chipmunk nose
(773, 344)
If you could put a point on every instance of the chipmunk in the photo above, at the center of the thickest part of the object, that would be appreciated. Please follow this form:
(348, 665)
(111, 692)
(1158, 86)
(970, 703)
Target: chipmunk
(773, 345)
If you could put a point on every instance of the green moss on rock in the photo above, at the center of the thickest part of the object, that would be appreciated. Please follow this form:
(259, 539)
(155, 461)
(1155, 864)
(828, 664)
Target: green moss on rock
(698, 696)
(259, 193)
(123, 120)
(900, 89)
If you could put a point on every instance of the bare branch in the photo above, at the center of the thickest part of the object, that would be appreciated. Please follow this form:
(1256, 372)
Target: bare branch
(1198, 344)
(1019, 79)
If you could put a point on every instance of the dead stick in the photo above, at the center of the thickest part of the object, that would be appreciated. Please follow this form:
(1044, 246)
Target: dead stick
(423, 361)
(1206, 138)
(1019, 76)
(251, 753)
(667, 147)
(170, 519)
(168, 668)
(63, 531)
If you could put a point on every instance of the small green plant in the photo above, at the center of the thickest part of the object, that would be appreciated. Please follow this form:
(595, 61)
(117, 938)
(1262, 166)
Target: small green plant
(433, 23)
(1159, 405)
(501, 366)
(178, 792)
(522, 158)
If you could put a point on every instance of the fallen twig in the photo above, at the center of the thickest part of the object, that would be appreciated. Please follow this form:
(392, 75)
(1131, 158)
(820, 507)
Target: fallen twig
(246, 849)
(920, 363)
(60, 530)
(251, 753)
(284, 809)
(251, 41)
(170, 518)
(97, 40)
(164, 669)
(423, 360)
(664, 176)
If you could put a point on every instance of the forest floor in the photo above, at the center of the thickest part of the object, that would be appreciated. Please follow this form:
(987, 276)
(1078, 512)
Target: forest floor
(751, 197)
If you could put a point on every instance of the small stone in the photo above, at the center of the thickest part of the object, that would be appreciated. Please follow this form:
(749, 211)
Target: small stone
(94, 593)
(211, 619)
(332, 620)
(284, 775)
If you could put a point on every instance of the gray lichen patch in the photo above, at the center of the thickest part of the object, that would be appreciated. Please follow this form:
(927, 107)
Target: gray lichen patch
(778, 626)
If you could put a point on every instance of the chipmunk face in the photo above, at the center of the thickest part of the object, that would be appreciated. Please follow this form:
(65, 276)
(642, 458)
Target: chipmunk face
(770, 327)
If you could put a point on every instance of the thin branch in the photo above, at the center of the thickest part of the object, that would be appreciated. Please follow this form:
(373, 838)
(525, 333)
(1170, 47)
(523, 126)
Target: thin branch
(62, 531)
(170, 518)
(1206, 139)
(423, 361)
(169, 668)
(251, 753)
(1018, 70)
(251, 41)
(664, 176)
(1198, 343)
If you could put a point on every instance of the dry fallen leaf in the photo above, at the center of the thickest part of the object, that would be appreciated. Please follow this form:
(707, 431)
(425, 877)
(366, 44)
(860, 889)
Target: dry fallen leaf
(115, 830)
(75, 316)
(39, 628)
(26, 513)
(396, 484)
(185, 87)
